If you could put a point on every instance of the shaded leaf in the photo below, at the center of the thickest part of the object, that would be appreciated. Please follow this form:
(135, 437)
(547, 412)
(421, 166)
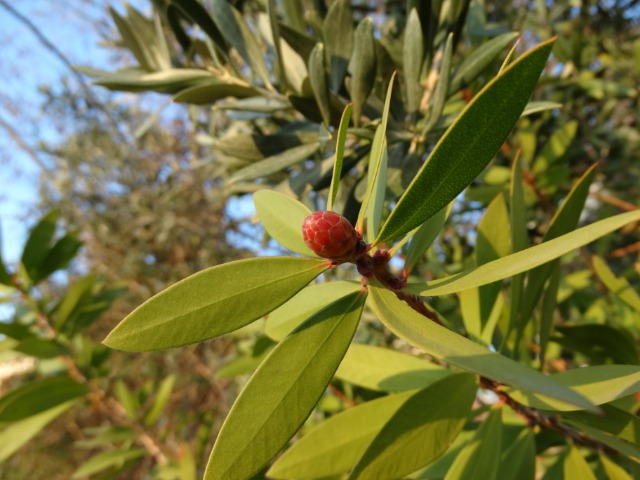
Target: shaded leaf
(212, 91)
(599, 342)
(213, 302)
(318, 81)
(362, 67)
(197, 13)
(283, 391)
(341, 138)
(412, 58)
(525, 259)
(41, 348)
(622, 424)
(468, 145)
(440, 93)
(38, 243)
(518, 461)
(282, 217)
(38, 396)
(338, 34)
(462, 352)
(420, 431)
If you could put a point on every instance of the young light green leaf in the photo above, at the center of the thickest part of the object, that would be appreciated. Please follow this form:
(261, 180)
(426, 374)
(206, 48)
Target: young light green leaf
(213, 302)
(474, 64)
(618, 286)
(412, 58)
(275, 163)
(420, 431)
(613, 470)
(362, 67)
(480, 458)
(600, 384)
(381, 369)
(108, 459)
(525, 259)
(575, 466)
(341, 139)
(457, 350)
(38, 396)
(376, 159)
(307, 302)
(15, 435)
(160, 401)
(318, 81)
(335, 445)
(282, 217)
(338, 34)
(468, 145)
(283, 391)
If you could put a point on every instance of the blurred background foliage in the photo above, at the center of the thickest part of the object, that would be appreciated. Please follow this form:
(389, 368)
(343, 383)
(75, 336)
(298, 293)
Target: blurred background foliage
(156, 191)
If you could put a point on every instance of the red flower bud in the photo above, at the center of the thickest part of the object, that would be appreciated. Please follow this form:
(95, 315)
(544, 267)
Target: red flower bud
(329, 235)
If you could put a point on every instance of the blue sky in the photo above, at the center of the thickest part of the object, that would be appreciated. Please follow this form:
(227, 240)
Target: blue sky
(25, 64)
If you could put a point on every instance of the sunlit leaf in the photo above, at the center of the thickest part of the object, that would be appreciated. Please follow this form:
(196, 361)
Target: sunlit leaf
(161, 399)
(386, 370)
(457, 350)
(108, 459)
(283, 391)
(341, 138)
(613, 470)
(526, 259)
(612, 420)
(468, 145)
(318, 81)
(442, 87)
(362, 67)
(282, 217)
(412, 57)
(618, 286)
(420, 431)
(576, 467)
(213, 302)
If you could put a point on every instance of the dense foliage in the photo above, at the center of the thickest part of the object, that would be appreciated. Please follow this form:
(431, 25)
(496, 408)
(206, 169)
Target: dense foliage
(482, 323)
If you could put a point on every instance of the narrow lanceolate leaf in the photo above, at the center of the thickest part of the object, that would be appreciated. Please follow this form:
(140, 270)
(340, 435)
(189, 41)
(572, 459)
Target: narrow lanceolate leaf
(412, 57)
(618, 286)
(420, 431)
(518, 460)
(362, 67)
(457, 350)
(338, 36)
(275, 163)
(196, 12)
(480, 458)
(38, 396)
(624, 425)
(108, 459)
(382, 369)
(283, 391)
(282, 217)
(612, 469)
(525, 259)
(335, 446)
(213, 302)
(15, 435)
(576, 467)
(38, 243)
(440, 93)
(600, 384)
(340, 147)
(318, 81)
(468, 145)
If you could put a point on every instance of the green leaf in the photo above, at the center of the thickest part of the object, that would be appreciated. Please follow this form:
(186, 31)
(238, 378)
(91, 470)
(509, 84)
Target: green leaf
(78, 294)
(197, 13)
(307, 302)
(420, 431)
(599, 342)
(160, 401)
(282, 217)
(518, 460)
(525, 259)
(16, 434)
(618, 286)
(341, 138)
(474, 64)
(600, 384)
(104, 460)
(213, 90)
(556, 147)
(275, 163)
(336, 444)
(537, 107)
(38, 243)
(362, 67)
(338, 34)
(318, 81)
(576, 467)
(412, 58)
(283, 391)
(38, 396)
(468, 145)
(424, 237)
(129, 401)
(59, 256)
(612, 420)
(382, 369)
(480, 458)
(613, 470)
(627, 448)
(41, 348)
(236, 31)
(5, 277)
(440, 93)
(376, 181)
(462, 352)
(213, 302)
